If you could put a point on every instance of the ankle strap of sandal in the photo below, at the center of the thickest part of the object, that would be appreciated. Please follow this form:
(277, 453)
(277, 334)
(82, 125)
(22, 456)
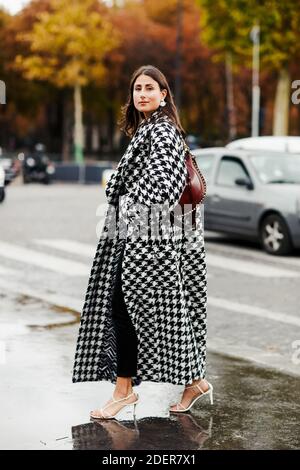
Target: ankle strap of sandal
(121, 399)
(197, 385)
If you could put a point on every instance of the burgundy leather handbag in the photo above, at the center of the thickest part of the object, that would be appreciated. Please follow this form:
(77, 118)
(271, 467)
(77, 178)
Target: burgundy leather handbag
(195, 189)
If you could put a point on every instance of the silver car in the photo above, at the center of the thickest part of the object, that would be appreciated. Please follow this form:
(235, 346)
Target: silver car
(253, 194)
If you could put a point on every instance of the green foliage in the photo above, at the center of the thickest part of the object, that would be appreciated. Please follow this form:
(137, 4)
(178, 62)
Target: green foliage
(227, 24)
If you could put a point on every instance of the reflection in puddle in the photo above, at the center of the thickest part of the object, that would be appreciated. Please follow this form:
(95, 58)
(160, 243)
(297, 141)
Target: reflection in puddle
(180, 432)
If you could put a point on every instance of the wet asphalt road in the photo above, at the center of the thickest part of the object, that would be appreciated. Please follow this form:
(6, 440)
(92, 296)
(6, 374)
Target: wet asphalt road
(40, 408)
(46, 246)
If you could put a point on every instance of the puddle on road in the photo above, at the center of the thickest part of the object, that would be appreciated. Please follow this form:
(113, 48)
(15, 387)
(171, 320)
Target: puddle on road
(22, 313)
(62, 311)
(254, 408)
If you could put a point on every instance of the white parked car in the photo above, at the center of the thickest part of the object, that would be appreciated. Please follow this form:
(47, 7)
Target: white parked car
(253, 194)
(285, 143)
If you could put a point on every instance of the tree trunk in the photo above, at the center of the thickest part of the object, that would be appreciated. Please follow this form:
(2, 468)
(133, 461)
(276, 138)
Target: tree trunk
(281, 105)
(78, 128)
(66, 128)
(230, 102)
(111, 129)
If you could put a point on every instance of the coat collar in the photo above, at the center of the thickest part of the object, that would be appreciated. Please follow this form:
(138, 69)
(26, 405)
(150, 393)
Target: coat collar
(145, 124)
(153, 116)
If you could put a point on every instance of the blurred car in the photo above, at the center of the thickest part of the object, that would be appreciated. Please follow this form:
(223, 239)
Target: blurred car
(285, 143)
(10, 165)
(36, 166)
(253, 194)
(193, 141)
(2, 183)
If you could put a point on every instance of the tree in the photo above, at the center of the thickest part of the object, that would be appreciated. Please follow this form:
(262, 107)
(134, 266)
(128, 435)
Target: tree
(67, 46)
(227, 24)
(148, 32)
(4, 17)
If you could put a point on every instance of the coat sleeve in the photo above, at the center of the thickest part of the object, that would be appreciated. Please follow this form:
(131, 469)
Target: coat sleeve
(164, 175)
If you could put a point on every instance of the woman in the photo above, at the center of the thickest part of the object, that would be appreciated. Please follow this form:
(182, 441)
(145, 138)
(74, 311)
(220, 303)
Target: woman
(144, 316)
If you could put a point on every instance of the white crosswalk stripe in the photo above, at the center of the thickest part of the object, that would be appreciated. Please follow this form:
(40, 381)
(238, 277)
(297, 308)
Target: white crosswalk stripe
(76, 268)
(244, 309)
(72, 246)
(69, 246)
(251, 268)
(242, 266)
(237, 251)
(36, 258)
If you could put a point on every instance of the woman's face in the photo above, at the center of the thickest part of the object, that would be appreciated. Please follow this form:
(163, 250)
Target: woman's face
(147, 95)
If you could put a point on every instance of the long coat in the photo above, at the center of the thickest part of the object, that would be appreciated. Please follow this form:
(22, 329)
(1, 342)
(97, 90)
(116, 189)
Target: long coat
(164, 281)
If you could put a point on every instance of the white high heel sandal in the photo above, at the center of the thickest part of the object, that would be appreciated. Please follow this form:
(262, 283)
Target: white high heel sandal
(134, 403)
(209, 392)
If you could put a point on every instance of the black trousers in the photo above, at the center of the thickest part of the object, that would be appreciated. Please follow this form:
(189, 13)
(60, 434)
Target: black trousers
(125, 332)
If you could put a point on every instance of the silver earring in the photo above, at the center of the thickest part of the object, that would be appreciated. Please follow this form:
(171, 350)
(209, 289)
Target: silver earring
(163, 103)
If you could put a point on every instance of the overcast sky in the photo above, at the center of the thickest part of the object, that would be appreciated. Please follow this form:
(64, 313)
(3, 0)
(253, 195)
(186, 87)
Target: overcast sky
(13, 6)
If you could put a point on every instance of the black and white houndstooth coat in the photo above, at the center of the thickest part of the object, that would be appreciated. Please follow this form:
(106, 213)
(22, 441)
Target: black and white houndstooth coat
(164, 281)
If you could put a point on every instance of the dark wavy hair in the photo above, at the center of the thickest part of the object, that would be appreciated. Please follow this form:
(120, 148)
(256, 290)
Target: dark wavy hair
(131, 117)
